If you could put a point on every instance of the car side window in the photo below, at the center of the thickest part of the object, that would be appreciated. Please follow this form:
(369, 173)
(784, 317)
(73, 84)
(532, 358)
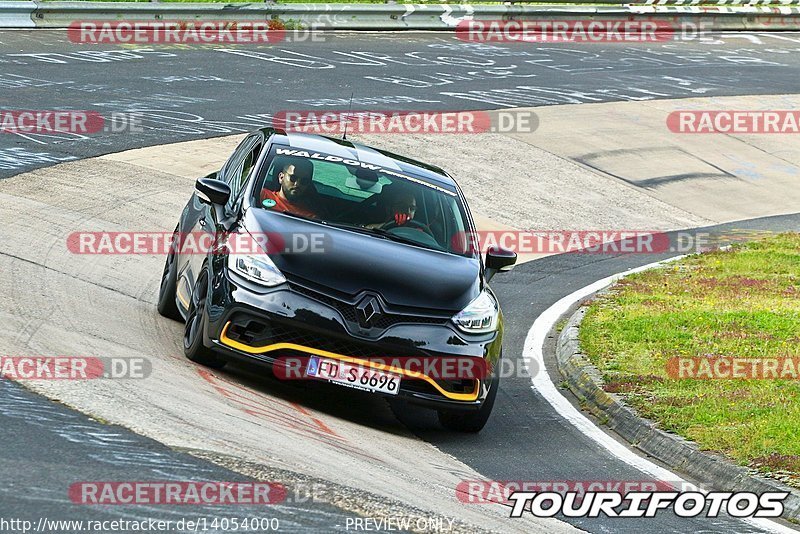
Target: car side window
(238, 169)
(234, 166)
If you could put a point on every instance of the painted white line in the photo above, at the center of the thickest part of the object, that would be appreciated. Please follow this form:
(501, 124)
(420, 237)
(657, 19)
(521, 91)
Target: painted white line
(534, 359)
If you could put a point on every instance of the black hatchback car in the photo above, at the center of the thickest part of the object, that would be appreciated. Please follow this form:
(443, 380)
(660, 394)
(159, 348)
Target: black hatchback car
(334, 261)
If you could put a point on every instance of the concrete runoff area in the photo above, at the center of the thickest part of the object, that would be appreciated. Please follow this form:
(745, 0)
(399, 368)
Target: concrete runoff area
(104, 305)
(717, 177)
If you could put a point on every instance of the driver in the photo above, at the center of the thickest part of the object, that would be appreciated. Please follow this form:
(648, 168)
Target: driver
(296, 192)
(402, 209)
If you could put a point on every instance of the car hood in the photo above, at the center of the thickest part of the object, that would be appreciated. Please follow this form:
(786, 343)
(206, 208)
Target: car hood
(404, 275)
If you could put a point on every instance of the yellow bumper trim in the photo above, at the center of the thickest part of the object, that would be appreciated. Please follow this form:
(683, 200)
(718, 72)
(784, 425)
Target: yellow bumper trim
(348, 359)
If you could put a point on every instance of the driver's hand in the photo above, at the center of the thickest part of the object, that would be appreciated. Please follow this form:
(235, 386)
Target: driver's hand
(401, 218)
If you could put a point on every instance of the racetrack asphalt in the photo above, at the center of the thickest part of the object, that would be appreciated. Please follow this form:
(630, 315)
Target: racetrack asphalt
(47, 448)
(524, 440)
(192, 92)
(202, 92)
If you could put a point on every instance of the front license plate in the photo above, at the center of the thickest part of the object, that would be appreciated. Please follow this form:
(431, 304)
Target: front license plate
(354, 376)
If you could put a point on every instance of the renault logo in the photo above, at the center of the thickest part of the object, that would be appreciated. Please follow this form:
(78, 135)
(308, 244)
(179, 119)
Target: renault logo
(368, 309)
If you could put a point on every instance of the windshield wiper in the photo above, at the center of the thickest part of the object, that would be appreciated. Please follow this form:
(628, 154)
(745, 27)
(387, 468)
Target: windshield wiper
(386, 234)
(304, 217)
(377, 232)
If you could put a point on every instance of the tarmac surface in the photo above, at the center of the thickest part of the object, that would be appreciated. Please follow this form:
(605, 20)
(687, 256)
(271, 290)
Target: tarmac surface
(105, 305)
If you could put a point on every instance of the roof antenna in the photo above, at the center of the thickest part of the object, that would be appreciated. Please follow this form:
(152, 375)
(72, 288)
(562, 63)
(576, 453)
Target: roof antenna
(347, 117)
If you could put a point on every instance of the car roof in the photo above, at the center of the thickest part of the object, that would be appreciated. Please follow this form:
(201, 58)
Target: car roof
(347, 149)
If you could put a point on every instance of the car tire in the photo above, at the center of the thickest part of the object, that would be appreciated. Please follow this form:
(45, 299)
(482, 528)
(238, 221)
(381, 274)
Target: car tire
(471, 422)
(169, 283)
(196, 322)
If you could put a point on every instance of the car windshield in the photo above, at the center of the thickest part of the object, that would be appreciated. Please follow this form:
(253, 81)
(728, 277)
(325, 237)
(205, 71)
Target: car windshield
(364, 197)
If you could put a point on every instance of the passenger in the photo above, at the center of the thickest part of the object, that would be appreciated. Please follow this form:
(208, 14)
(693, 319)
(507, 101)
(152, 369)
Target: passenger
(296, 192)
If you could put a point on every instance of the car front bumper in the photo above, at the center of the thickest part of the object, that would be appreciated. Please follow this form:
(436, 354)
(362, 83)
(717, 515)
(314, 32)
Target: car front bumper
(269, 324)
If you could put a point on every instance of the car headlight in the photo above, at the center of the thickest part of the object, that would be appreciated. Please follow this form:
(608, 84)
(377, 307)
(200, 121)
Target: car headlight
(480, 315)
(258, 268)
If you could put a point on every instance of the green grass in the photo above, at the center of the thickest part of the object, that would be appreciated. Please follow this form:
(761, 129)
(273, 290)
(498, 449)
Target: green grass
(739, 303)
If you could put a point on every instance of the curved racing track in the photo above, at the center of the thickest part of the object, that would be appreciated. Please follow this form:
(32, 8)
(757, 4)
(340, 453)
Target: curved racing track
(571, 174)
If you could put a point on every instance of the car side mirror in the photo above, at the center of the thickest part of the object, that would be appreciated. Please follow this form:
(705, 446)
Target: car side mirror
(499, 260)
(216, 194)
(211, 191)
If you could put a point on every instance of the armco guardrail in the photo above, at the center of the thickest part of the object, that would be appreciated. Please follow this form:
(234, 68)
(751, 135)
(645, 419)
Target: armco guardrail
(322, 16)
(17, 14)
(395, 16)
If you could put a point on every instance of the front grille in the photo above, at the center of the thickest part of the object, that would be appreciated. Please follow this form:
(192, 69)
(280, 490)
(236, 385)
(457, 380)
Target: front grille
(255, 333)
(418, 386)
(348, 311)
